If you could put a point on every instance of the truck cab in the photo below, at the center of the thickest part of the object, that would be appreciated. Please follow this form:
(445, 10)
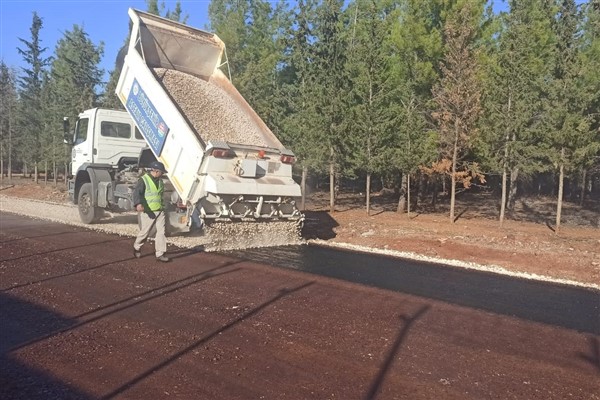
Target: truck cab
(104, 136)
(107, 148)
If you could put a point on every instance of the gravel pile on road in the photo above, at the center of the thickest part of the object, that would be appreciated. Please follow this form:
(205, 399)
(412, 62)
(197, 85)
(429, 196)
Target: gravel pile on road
(214, 113)
(218, 237)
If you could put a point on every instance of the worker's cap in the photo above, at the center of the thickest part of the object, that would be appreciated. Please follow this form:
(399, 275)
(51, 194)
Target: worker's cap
(158, 166)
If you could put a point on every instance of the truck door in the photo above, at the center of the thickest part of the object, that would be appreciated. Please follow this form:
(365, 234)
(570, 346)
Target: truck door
(117, 143)
(82, 145)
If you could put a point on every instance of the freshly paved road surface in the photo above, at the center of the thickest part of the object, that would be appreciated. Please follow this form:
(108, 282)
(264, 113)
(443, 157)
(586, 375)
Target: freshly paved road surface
(80, 318)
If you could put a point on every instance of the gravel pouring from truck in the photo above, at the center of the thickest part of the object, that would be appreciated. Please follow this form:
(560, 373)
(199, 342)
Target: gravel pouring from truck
(224, 163)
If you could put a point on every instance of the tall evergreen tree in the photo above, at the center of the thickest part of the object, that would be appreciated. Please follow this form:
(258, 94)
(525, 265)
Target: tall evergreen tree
(568, 100)
(415, 58)
(588, 157)
(30, 81)
(8, 105)
(367, 64)
(72, 87)
(458, 96)
(297, 78)
(516, 77)
(330, 86)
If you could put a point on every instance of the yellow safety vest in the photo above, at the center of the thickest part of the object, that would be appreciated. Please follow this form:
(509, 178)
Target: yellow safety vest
(153, 194)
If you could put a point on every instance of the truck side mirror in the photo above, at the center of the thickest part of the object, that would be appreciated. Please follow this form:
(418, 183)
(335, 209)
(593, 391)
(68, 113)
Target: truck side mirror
(67, 138)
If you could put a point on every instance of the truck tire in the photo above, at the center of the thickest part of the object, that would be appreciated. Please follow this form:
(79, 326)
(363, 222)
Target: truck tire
(87, 211)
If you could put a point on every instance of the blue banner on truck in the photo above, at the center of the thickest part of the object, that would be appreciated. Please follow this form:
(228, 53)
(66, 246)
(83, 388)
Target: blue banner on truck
(148, 120)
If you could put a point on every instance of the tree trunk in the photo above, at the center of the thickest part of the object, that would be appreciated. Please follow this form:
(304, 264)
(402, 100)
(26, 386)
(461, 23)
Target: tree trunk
(512, 194)
(55, 172)
(45, 172)
(583, 185)
(35, 172)
(408, 195)
(561, 177)
(421, 189)
(9, 172)
(331, 186)
(453, 177)
(503, 200)
(368, 194)
(505, 165)
(303, 187)
(24, 169)
(1, 169)
(402, 199)
(434, 195)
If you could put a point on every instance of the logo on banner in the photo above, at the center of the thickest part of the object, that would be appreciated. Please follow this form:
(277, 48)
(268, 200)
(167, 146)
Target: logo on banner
(146, 117)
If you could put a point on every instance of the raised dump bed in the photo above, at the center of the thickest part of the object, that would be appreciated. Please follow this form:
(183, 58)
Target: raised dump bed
(222, 159)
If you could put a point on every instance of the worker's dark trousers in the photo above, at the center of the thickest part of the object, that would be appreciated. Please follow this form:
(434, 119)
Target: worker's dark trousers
(160, 240)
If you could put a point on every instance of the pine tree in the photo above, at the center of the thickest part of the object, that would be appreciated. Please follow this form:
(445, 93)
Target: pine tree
(8, 104)
(298, 122)
(72, 86)
(517, 70)
(330, 85)
(367, 65)
(30, 120)
(458, 97)
(415, 58)
(568, 103)
(587, 157)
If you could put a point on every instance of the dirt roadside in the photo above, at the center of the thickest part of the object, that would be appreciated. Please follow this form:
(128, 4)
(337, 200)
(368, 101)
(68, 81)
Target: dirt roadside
(531, 248)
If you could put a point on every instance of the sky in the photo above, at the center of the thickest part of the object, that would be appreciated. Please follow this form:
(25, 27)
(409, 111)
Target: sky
(104, 21)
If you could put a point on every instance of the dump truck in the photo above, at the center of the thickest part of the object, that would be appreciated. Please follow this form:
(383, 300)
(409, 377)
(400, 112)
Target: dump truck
(224, 164)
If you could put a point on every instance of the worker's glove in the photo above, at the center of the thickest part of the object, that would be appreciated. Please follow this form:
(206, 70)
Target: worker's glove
(151, 214)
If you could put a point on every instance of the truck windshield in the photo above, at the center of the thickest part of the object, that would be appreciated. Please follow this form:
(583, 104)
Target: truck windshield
(81, 130)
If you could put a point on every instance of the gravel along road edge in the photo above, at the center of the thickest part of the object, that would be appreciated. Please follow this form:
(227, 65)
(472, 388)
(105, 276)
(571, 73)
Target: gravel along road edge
(126, 225)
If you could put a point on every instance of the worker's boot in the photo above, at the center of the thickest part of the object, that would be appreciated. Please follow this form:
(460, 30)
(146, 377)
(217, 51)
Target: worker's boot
(137, 253)
(163, 258)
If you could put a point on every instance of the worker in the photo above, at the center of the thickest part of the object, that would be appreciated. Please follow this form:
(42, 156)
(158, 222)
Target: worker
(148, 201)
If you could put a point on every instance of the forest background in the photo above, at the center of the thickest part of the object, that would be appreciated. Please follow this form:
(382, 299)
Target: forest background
(425, 99)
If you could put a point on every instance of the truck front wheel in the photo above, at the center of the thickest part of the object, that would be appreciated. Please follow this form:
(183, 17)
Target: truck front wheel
(87, 211)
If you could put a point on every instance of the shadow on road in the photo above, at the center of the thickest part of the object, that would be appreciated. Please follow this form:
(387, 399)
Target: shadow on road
(594, 356)
(20, 322)
(406, 323)
(282, 293)
(318, 225)
(562, 305)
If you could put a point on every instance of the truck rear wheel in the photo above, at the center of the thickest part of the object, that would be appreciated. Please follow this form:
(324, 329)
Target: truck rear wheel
(87, 211)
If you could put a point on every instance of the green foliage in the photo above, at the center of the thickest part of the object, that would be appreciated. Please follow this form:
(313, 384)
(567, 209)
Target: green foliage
(413, 65)
(380, 87)
(568, 98)
(330, 84)
(517, 68)
(254, 32)
(8, 106)
(370, 93)
(587, 153)
(71, 86)
(30, 116)
(298, 124)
